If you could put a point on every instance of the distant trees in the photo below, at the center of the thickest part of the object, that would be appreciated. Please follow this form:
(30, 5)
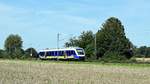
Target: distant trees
(112, 45)
(143, 51)
(1, 53)
(111, 41)
(13, 49)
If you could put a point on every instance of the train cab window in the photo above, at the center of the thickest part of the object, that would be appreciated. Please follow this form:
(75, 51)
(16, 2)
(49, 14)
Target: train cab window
(41, 53)
(80, 51)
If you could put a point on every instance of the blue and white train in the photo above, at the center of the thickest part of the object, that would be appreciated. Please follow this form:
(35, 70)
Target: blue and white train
(66, 53)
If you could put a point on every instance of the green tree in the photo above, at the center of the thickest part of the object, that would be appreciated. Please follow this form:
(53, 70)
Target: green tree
(12, 43)
(143, 51)
(85, 39)
(73, 42)
(111, 38)
(90, 52)
(13, 47)
(82, 41)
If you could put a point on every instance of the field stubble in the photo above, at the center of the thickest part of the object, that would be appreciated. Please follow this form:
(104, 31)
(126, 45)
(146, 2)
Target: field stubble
(27, 72)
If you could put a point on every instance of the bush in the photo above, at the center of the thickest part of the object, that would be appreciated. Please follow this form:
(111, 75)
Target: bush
(17, 54)
(132, 60)
(1, 52)
(113, 57)
(5, 55)
(89, 52)
(26, 56)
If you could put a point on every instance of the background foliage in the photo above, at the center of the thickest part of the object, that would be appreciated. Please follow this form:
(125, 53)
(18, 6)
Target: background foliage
(112, 45)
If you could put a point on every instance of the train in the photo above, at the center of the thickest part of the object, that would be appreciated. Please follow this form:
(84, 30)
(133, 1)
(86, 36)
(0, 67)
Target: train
(63, 53)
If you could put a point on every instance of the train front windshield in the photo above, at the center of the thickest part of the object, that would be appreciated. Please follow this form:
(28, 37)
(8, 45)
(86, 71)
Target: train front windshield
(80, 51)
(41, 53)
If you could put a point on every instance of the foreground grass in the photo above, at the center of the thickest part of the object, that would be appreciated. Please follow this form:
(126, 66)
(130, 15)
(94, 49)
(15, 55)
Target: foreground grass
(46, 72)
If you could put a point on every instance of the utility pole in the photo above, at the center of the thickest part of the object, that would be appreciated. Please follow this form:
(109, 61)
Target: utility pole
(58, 36)
(58, 39)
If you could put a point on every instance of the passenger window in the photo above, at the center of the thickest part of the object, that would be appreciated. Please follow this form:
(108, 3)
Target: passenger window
(62, 53)
(55, 53)
(52, 53)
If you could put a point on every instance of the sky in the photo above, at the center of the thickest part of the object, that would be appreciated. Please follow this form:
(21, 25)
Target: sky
(39, 21)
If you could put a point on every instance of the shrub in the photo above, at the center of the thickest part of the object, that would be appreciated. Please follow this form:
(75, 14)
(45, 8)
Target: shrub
(113, 57)
(1, 53)
(5, 55)
(17, 54)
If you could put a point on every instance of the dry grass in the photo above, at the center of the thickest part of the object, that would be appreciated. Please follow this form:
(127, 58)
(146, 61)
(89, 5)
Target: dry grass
(27, 72)
(143, 59)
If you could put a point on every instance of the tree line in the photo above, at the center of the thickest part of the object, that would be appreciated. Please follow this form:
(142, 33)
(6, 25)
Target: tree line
(108, 44)
(142, 51)
(13, 49)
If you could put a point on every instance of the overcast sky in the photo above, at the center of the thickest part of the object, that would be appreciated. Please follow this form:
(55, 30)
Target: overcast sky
(39, 21)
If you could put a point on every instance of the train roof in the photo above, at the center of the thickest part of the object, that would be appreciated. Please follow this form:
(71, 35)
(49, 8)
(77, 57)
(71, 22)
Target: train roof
(60, 49)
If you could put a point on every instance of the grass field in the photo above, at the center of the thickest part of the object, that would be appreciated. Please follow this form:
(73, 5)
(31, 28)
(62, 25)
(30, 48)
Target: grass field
(143, 59)
(45, 72)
